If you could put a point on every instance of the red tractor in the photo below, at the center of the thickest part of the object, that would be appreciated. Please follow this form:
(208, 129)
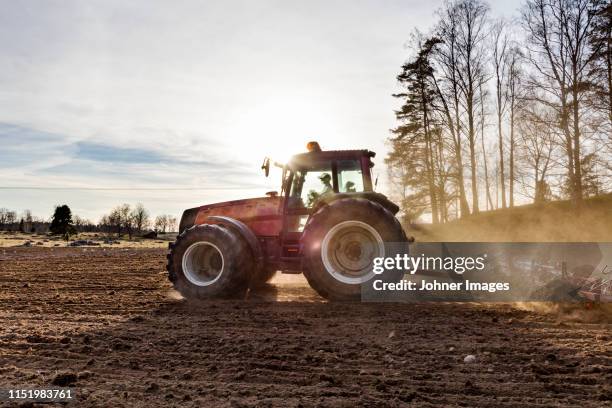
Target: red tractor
(327, 222)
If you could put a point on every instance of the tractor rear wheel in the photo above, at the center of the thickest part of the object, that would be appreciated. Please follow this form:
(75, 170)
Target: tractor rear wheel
(340, 242)
(209, 261)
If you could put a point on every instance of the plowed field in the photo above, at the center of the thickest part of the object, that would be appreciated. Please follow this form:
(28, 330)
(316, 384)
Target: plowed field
(106, 322)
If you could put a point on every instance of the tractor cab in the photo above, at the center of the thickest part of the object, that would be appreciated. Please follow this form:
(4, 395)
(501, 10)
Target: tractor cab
(314, 174)
(318, 177)
(314, 179)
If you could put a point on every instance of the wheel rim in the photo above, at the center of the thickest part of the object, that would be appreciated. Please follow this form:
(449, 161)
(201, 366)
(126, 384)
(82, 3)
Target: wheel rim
(203, 263)
(348, 251)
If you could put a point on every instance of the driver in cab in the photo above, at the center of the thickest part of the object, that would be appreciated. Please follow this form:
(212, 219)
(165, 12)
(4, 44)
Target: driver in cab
(327, 187)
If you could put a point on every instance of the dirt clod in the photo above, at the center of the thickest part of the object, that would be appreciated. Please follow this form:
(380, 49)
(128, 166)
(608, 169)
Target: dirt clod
(153, 387)
(470, 358)
(64, 379)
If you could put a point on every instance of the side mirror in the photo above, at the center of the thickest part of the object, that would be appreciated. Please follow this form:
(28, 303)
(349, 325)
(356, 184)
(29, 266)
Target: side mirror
(266, 166)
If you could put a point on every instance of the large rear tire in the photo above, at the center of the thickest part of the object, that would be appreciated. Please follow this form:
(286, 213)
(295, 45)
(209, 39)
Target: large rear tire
(209, 261)
(340, 242)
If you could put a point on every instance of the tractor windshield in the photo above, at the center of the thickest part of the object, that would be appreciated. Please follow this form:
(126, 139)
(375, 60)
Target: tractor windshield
(309, 184)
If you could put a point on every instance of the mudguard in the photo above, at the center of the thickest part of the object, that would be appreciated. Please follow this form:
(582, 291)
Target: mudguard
(188, 219)
(367, 195)
(245, 232)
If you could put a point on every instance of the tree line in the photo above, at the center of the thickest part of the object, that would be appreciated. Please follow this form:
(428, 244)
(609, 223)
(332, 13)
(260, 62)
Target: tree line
(123, 219)
(495, 111)
(131, 220)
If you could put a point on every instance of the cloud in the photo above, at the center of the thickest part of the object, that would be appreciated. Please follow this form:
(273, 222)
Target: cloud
(113, 154)
(25, 150)
(44, 158)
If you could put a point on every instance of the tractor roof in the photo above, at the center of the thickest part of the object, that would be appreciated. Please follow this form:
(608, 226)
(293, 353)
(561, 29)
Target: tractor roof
(305, 159)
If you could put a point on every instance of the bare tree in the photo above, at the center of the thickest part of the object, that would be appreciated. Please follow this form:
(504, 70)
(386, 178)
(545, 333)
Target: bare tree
(6, 217)
(27, 221)
(500, 55)
(120, 219)
(115, 221)
(126, 220)
(482, 119)
(161, 223)
(10, 219)
(3, 217)
(140, 217)
(165, 223)
(106, 224)
(463, 31)
(82, 224)
(472, 30)
(537, 144)
(514, 94)
(558, 50)
(78, 222)
(446, 58)
(171, 223)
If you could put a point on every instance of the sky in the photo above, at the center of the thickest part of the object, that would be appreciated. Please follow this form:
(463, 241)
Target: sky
(175, 104)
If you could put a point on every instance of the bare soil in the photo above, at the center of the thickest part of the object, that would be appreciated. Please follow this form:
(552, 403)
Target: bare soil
(106, 322)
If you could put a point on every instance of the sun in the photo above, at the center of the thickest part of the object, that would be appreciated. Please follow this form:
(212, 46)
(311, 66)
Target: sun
(279, 128)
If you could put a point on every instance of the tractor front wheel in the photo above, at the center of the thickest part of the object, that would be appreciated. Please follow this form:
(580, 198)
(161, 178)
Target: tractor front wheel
(209, 261)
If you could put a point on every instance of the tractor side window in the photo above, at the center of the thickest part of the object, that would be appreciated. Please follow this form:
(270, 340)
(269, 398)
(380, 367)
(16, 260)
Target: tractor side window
(308, 186)
(296, 186)
(350, 178)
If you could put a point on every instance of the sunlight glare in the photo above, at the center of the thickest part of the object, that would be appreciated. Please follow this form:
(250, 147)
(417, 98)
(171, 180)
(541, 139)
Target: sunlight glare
(281, 127)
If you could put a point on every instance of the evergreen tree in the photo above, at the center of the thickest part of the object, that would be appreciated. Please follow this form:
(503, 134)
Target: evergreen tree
(415, 148)
(61, 224)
